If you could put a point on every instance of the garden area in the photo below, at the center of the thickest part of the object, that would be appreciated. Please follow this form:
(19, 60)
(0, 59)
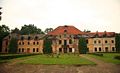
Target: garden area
(63, 59)
(44, 59)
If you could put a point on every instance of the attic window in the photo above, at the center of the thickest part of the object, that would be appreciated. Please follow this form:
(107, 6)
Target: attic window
(36, 37)
(65, 30)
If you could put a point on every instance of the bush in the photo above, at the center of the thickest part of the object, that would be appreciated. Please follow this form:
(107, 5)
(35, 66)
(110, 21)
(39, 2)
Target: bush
(117, 57)
(98, 54)
(7, 57)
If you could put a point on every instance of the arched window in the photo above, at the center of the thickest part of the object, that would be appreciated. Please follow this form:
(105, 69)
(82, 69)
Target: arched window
(33, 49)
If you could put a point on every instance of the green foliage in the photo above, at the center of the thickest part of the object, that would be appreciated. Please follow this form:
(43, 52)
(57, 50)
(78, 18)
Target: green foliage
(82, 45)
(30, 29)
(117, 42)
(4, 31)
(117, 57)
(16, 30)
(47, 46)
(13, 45)
(48, 30)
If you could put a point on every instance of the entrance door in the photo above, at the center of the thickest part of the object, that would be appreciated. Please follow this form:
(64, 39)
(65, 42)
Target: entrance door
(106, 49)
(65, 49)
(28, 50)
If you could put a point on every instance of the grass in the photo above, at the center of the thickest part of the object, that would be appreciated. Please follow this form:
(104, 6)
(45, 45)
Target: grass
(107, 57)
(62, 60)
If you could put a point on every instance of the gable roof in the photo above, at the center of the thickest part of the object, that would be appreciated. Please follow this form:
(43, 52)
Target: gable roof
(65, 29)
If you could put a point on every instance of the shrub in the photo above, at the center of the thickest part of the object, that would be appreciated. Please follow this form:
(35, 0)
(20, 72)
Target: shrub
(98, 54)
(117, 57)
(7, 57)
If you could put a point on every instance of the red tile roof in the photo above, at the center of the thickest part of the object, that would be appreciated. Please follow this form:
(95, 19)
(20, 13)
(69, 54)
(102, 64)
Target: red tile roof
(65, 29)
(100, 34)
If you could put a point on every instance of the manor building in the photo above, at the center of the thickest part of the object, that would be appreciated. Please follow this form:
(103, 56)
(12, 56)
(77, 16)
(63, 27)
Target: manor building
(64, 40)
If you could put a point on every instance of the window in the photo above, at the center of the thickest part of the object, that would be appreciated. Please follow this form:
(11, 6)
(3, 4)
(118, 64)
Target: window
(112, 41)
(29, 38)
(99, 48)
(6, 43)
(87, 41)
(28, 43)
(28, 50)
(9, 37)
(5, 49)
(22, 38)
(99, 41)
(70, 49)
(33, 43)
(22, 43)
(22, 49)
(65, 42)
(95, 42)
(65, 35)
(19, 49)
(37, 43)
(106, 49)
(60, 49)
(70, 41)
(105, 41)
(37, 50)
(95, 49)
(113, 48)
(65, 30)
(36, 37)
(60, 41)
(60, 36)
(70, 36)
(33, 49)
(19, 43)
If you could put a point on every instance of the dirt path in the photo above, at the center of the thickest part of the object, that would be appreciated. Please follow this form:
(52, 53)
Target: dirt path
(101, 67)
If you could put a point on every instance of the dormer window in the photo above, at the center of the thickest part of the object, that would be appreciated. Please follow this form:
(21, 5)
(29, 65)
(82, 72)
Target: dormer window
(36, 37)
(65, 30)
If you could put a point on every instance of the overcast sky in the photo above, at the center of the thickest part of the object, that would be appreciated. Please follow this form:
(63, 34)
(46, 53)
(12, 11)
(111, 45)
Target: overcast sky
(94, 15)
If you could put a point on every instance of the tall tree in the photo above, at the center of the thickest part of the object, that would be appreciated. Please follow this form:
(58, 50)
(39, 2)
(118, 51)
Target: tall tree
(30, 29)
(16, 30)
(117, 42)
(13, 45)
(47, 46)
(48, 30)
(4, 31)
(82, 46)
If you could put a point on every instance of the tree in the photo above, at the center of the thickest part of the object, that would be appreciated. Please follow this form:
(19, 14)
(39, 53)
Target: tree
(82, 45)
(16, 30)
(48, 30)
(117, 42)
(30, 29)
(4, 31)
(13, 45)
(47, 46)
